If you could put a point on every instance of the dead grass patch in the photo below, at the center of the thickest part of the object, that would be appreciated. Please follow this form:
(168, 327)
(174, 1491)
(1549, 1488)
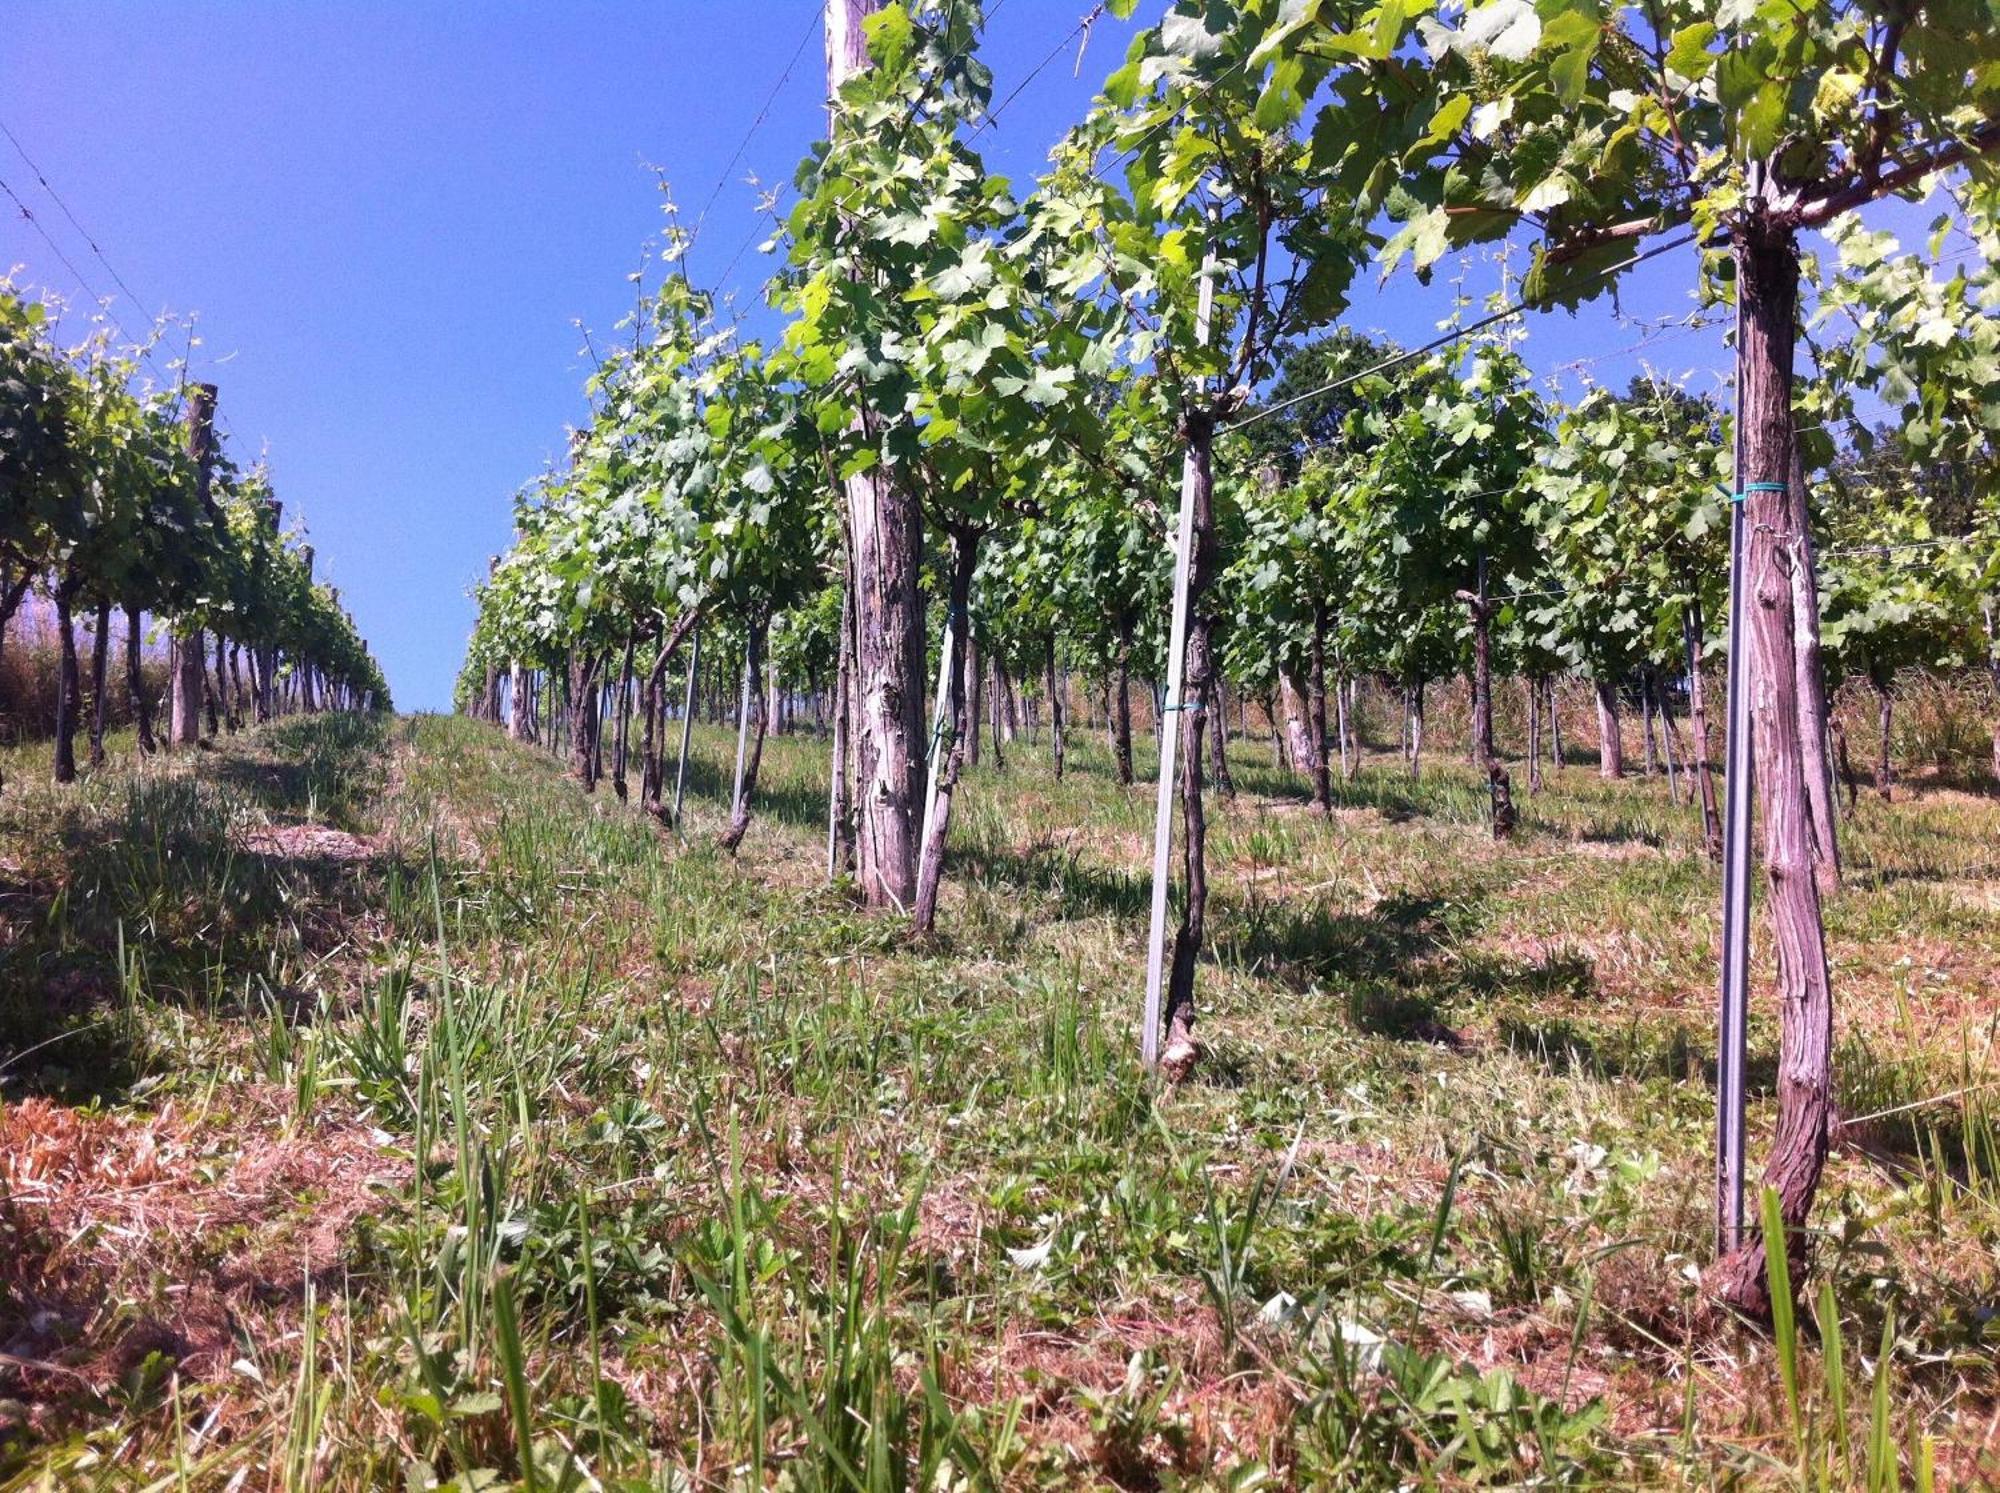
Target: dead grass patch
(186, 1234)
(310, 842)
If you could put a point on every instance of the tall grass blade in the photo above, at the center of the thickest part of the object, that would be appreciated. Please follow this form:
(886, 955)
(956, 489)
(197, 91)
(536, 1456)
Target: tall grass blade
(514, 1373)
(1784, 1320)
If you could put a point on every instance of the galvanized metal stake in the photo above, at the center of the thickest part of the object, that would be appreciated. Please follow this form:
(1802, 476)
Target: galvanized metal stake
(1731, 1039)
(1170, 736)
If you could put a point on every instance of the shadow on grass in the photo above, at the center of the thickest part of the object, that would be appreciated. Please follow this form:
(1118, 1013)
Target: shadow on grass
(318, 767)
(1323, 944)
(1922, 782)
(1079, 888)
(1392, 962)
(1917, 1117)
(1635, 1052)
(1390, 792)
(1881, 878)
(155, 895)
(1401, 966)
(1623, 829)
(790, 802)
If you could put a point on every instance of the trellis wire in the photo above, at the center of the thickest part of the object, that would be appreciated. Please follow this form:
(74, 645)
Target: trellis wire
(1457, 334)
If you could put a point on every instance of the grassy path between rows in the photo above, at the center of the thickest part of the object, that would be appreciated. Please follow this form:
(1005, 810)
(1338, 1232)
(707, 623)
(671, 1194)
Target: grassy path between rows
(377, 1110)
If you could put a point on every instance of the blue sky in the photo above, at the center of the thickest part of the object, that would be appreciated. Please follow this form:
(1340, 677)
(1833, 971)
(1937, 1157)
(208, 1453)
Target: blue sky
(390, 216)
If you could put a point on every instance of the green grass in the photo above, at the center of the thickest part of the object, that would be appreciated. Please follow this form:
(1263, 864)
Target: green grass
(605, 1159)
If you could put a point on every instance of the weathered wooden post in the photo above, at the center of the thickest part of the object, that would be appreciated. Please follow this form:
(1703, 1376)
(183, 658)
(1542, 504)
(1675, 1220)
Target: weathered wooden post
(885, 529)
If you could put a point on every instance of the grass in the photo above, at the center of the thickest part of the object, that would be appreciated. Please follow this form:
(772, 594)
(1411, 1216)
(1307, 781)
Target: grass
(381, 1111)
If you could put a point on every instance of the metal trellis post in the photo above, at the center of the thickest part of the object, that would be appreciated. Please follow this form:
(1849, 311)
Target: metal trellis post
(1736, 871)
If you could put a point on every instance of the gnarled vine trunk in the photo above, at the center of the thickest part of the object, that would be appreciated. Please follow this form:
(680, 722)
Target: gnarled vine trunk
(184, 717)
(1000, 733)
(1413, 707)
(582, 700)
(750, 729)
(69, 691)
(1610, 733)
(930, 872)
(1669, 742)
(1322, 777)
(1767, 277)
(184, 722)
(100, 665)
(1703, 764)
(220, 701)
(236, 690)
(1499, 786)
(1993, 674)
(1885, 714)
(650, 717)
(1058, 709)
(1807, 664)
(1190, 717)
(1120, 704)
(622, 702)
(135, 685)
(1218, 742)
(1296, 733)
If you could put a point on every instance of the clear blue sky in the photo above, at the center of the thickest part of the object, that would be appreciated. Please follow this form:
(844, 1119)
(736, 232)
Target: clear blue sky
(389, 216)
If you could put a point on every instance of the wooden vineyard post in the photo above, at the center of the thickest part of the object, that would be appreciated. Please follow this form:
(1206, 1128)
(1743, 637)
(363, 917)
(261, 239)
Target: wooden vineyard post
(886, 533)
(1163, 815)
(1767, 276)
(1058, 708)
(264, 654)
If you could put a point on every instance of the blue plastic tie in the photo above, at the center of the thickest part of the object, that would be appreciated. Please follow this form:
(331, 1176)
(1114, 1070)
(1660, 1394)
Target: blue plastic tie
(1750, 487)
